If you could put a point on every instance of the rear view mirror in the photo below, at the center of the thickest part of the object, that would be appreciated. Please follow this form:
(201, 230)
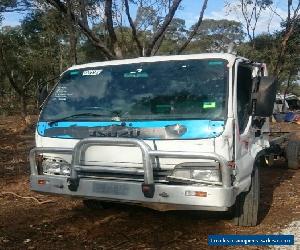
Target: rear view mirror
(43, 94)
(264, 98)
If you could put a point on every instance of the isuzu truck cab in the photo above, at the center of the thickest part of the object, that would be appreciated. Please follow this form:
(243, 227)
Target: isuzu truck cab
(168, 132)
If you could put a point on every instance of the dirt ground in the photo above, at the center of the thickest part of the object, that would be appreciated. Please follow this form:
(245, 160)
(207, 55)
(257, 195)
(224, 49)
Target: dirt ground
(63, 223)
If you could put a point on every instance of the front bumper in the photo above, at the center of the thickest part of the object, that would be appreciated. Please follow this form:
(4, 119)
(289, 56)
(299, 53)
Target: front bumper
(217, 197)
(166, 197)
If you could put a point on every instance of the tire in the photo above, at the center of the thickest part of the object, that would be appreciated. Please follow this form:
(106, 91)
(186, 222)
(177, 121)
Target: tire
(247, 203)
(293, 154)
(263, 161)
(93, 204)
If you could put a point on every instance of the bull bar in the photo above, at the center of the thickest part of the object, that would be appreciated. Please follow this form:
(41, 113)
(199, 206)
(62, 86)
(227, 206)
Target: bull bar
(148, 160)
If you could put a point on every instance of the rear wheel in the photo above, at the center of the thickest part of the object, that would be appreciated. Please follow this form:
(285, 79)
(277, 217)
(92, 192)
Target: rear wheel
(247, 203)
(293, 154)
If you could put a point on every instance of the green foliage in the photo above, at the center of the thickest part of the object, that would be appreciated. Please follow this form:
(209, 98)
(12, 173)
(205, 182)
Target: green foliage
(174, 36)
(39, 49)
(267, 47)
(216, 35)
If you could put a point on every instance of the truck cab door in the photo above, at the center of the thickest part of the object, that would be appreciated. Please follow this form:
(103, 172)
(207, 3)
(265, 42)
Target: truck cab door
(243, 120)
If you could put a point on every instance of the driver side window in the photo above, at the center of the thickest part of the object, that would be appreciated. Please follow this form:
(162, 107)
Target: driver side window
(244, 87)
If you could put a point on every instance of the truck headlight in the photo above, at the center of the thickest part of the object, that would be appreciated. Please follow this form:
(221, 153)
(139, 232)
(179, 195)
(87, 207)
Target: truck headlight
(55, 166)
(207, 175)
(201, 174)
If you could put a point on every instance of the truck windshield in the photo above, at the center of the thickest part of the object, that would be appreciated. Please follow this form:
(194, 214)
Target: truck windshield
(185, 89)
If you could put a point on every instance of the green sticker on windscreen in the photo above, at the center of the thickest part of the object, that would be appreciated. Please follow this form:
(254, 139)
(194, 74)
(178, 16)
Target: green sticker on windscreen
(74, 73)
(215, 62)
(209, 105)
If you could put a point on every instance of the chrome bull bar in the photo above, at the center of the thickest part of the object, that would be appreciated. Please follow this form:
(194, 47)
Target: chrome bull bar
(148, 158)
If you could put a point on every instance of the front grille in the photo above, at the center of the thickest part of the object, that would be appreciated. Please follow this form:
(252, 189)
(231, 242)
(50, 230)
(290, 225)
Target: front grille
(159, 176)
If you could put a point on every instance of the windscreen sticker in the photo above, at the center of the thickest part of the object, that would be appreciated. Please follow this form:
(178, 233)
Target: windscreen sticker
(74, 73)
(136, 75)
(94, 72)
(209, 105)
(61, 94)
(215, 63)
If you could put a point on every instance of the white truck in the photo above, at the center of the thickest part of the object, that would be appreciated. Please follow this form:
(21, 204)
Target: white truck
(166, 132)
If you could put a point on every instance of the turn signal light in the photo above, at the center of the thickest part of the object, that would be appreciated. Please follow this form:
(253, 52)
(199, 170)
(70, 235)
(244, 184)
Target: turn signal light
(195, 193)
(41, 182)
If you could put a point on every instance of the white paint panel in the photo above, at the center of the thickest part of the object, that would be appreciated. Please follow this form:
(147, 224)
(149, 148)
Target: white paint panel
(114, 154)
(229, 57)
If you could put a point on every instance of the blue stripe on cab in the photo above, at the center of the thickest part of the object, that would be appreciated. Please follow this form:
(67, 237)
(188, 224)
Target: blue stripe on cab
(195, 128)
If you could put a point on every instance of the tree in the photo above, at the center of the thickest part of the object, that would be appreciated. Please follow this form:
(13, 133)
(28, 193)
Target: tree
(216, 35)
(174, 37)
(195, 28)
(14, 6)
(32, 53)
(19, 78)
(156, 15)
(281, 49)
(251, 11)
(291, 29)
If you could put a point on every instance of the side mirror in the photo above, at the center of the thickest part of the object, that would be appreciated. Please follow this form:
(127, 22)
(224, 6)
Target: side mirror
(264, 98)
(43, 94)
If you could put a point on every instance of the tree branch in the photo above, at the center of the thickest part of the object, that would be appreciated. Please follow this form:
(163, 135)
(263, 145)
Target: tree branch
(8, 72)
(160, 31)
(109, 22)
(28, 82)
(72, 35)
(133, 29)
(289, 31)
(85, 30)
(196, 27)
(83, 14)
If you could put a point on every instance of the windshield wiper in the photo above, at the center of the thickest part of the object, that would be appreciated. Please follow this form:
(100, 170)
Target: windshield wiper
(88, 114)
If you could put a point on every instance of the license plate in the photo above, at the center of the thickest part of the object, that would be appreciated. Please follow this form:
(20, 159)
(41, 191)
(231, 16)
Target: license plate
(111, 188)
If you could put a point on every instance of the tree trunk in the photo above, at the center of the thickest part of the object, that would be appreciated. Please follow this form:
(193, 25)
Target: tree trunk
(82, 6)
(282, 50)
(90, 34)
(73, 47)
(133, 29)
(72, 35)
(195, 30)
(291, 23)
(160, 31)
(108, 19)
(23, 106)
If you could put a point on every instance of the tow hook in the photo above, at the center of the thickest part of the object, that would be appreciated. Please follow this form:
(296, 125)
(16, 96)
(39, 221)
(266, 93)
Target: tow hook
(148, 190)
(73, 184)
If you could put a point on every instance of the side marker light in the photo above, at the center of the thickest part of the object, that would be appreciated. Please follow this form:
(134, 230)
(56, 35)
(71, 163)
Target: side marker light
(195, 193)
(41, 182)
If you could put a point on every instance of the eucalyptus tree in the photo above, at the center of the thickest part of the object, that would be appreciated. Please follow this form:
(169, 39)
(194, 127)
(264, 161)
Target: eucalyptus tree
(148, 28)
(217, 35)
(251, 12)
(32, 53)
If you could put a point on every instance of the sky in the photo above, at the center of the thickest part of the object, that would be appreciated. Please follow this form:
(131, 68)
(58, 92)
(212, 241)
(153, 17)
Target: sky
(216, 9)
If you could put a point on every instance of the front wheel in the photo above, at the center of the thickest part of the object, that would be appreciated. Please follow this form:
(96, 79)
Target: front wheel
(247, 203)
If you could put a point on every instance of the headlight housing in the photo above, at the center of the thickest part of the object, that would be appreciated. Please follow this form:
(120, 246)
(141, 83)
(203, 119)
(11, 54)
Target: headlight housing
(198, 172)
(55, 166)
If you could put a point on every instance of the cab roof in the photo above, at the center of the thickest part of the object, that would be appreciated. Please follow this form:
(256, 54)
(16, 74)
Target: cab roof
(226, 56)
